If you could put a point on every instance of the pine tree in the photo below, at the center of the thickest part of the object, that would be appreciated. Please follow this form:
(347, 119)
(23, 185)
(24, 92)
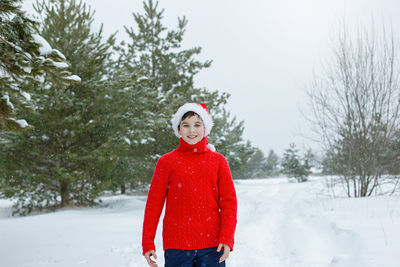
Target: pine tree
(292, 165)
(169, 70)
(169, 83)
(256, 165)
(26, 59)
(79, 131)
(393, 157)
(105, 106)
(272, 164)
(311, 159)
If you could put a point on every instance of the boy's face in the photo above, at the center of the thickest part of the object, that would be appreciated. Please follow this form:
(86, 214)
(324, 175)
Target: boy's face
(192, 129)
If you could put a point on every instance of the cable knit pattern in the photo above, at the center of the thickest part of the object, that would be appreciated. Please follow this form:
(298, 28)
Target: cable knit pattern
(201, 205)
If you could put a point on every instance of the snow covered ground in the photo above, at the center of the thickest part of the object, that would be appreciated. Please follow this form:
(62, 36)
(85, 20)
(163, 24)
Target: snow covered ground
(279, 224)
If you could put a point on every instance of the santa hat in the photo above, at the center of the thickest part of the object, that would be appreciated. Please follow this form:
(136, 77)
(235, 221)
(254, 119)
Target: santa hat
(198, 108)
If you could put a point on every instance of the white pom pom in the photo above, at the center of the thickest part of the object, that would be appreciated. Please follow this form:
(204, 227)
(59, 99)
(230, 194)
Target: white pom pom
(211, 147)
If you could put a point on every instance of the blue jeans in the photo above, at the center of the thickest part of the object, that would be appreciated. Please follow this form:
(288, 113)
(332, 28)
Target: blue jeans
(206, 257)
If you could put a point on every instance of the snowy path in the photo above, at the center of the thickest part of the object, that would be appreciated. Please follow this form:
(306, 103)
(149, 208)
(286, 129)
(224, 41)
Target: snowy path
(278, 227)
(279, 224)
(259, 216)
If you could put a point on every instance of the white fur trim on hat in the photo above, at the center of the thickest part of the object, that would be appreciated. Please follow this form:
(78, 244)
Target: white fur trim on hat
(196, 108)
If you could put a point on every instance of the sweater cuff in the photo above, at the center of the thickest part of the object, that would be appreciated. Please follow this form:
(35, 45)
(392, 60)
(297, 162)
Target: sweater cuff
(148, 248)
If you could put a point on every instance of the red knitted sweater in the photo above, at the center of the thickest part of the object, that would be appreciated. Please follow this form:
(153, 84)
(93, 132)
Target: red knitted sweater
(201, 203)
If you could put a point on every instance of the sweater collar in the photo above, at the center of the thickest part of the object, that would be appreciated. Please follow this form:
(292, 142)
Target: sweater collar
(196, 148)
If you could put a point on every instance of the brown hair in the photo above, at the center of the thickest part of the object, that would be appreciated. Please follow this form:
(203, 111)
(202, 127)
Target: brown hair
(188, 114)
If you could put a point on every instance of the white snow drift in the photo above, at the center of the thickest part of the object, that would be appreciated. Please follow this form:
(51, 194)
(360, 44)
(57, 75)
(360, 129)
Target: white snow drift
(279, 224)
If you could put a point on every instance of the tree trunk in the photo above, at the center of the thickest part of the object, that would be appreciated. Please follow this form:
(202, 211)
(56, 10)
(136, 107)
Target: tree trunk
(64, 194)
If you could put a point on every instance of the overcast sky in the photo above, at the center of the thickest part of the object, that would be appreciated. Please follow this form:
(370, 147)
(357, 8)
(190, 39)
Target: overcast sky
(264, 52)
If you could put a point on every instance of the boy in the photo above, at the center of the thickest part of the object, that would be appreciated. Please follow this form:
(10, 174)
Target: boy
(201, 206)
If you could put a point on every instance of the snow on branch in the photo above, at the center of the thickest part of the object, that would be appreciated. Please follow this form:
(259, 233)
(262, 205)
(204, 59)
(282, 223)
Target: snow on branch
(21, 123)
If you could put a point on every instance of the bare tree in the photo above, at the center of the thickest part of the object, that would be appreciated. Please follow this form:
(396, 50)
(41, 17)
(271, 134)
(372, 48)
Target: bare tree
(355, 106)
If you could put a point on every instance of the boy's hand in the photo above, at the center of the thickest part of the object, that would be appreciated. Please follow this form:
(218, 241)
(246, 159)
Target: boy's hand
(227, 250)
(148, 254)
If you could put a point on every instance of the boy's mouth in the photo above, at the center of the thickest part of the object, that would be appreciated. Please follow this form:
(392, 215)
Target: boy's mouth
(192, 136)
